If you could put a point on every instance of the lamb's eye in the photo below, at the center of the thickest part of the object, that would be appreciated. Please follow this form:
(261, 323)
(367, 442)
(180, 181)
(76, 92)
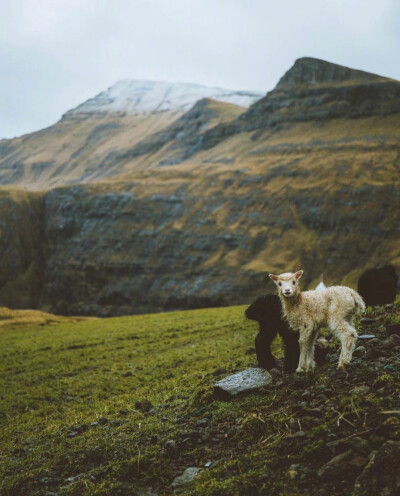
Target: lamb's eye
(280, 284)
(294, 282)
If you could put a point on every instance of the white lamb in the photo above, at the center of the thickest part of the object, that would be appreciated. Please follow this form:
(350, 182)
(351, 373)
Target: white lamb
(307, 311)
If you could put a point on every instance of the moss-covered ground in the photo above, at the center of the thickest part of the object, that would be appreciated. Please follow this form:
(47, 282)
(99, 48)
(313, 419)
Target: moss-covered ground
(124, 405)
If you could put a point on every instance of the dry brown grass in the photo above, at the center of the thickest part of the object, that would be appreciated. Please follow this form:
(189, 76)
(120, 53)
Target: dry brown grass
(25, 318)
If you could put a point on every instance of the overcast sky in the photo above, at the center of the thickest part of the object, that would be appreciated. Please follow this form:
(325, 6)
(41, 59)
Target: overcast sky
(55, 54)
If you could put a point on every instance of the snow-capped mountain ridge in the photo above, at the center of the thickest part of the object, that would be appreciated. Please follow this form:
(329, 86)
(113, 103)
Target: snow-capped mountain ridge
(142, 97)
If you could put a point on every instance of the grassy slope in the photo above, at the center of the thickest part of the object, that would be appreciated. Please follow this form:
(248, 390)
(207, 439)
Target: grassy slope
(57, 379)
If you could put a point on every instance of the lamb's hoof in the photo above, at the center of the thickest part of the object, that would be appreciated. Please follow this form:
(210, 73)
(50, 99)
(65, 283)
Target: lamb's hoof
(300, 370)
(343, 366)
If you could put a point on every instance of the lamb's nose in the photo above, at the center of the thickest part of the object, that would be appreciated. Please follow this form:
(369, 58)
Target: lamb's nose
(287, 291)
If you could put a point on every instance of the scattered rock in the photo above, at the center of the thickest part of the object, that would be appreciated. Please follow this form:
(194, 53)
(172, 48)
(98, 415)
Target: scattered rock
(359, 445)
(391, 341)
(296, 435)
(366, 321)
(241, 383)
(358, 461)
(331, 467)
(275, 372)
(363, 390)
(115, 423)
(78, 428)
(359, 351)
(367, 336)
(186, 478)
(381, 475)
(393, 329)
(144, 405)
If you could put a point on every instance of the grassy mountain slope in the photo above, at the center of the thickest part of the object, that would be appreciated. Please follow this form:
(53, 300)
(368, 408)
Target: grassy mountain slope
(86, 147)
(195, 213)
(124, 405)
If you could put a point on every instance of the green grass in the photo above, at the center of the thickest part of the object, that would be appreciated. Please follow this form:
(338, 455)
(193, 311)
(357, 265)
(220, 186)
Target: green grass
(64, 375)
(56, 379)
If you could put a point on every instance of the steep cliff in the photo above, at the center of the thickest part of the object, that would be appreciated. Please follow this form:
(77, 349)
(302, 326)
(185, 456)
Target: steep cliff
(21, 258)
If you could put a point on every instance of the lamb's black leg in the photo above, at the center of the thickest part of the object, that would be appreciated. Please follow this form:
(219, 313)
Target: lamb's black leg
(263, 342)
(292, 350)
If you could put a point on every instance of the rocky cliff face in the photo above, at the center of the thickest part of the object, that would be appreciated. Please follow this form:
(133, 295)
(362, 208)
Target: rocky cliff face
(294, 182)
(21, 258)
(313, 90)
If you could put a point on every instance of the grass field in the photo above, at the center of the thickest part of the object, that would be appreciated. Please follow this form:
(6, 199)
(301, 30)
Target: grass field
(72, 374)
(124, 405)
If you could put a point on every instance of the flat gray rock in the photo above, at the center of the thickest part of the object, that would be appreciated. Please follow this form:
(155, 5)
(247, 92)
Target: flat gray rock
(186, 478)
(241, 383)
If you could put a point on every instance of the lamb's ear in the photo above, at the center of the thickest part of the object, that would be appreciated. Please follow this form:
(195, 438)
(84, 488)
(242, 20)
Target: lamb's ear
(273, 277)
(298, 274)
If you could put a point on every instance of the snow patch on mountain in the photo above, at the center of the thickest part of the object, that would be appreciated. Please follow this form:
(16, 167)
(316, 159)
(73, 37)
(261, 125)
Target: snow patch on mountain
(142, 97)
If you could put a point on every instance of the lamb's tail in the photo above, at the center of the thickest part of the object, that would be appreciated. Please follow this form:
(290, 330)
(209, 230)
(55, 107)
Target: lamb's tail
(359, 303)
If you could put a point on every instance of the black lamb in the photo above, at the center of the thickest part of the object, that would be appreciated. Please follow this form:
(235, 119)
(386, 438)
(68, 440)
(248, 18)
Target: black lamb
(378, 286)
(267, 311)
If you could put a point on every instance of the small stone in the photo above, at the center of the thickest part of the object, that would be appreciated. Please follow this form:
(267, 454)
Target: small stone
(311, 412)
(366, 336)
(275, 372)
(358, 461)
(296, 435)
(363, 390)
(208, 464)
(359, 351)
(309, 422)
(243, 382)
(365, 321)
(103, 421)
(144, 405)
(186, 478)
(393, 329)
(202, 422)
(391, 341)
(115, 423)
(72, 434)
(94, 424)
(334, 463)
(360, 445)
(381, 474)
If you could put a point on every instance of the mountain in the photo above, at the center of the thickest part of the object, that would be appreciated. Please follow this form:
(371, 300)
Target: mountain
(94, 140)
(205, 206)
(143, 97)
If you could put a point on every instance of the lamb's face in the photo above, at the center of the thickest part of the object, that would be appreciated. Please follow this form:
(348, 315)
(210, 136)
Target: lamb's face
(287, 283)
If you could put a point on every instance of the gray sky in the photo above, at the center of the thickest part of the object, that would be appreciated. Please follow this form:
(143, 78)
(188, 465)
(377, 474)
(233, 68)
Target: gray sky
(54, 54)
